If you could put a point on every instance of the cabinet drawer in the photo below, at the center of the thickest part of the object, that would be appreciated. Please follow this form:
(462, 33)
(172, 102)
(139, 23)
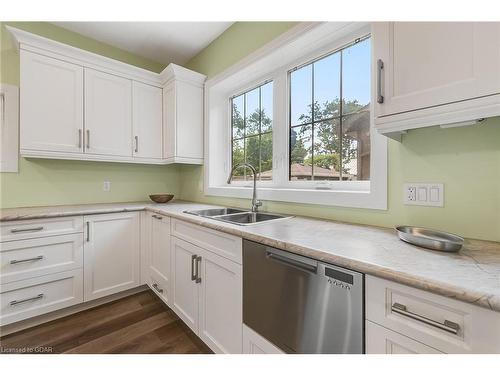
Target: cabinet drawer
(380, 340)
(443, 323)
(27, 298)
(217, 242)
(24, 229)
(40, 256)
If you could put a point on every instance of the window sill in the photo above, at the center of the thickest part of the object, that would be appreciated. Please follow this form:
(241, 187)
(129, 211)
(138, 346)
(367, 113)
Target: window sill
(342, 198)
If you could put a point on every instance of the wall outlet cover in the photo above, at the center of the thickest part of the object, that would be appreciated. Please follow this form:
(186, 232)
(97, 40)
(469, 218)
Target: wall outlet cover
(423, 194)
(106, 186)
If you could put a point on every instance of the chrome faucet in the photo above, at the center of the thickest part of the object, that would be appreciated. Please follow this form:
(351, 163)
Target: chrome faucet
(255, 203)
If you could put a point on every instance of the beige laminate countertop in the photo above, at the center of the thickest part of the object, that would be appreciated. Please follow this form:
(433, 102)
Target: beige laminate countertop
(472, 275)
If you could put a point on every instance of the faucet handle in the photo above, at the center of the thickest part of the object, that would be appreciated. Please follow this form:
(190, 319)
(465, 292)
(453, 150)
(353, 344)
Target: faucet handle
(258, 203)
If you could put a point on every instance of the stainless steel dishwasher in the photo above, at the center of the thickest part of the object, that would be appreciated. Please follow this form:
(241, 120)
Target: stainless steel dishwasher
(302, 305)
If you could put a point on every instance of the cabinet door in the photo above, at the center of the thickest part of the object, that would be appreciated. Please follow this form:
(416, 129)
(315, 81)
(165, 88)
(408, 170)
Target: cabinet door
(108, 114)
(159, 256)
(380, 340)
(221, 316)
(184, 288)
(427, 64)
(51, 110)
(169, 122)
(111, 254)
(147, 121)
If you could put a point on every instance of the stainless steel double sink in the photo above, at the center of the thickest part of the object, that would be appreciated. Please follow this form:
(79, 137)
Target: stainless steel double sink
(236, 216)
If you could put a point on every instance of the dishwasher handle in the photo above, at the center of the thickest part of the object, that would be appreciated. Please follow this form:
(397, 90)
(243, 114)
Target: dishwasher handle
(292, 260)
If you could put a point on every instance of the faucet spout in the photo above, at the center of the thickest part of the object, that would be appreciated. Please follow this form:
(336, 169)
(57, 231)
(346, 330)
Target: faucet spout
(255, 202)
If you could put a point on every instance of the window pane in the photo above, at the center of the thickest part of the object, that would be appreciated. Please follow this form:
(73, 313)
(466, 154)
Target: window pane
(252, 152)
(237, 117)
(266, 97)
(327, 87)
(266, 156)
(327, 150)
(252, 112)
(301, 95)
(356, 146)
(301, 153)
(239, 157)
(356, 77)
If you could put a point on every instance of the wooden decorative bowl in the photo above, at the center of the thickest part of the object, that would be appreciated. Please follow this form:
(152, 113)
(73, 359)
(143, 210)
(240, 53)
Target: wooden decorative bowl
(161, 198)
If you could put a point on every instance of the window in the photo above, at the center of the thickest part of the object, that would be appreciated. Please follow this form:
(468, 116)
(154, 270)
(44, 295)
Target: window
(330, 116)
(299, 111)
(252, 132)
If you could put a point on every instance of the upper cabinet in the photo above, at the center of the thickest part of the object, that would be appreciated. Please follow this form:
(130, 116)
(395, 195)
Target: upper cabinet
(183, 115)
(78, 105)
(147, 120)
(51, 97)
(434, 73)
(108, 114)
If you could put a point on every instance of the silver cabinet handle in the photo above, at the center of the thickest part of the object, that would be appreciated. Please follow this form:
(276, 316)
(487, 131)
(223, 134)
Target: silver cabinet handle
(79, 138)
(158, 217)
(17, 230)
(87, 141)
(136, 144)
(157, 288)
(198, 263)
(13, 303)
(193, 261)
(88, 231)
(380, 66)
(447, 326)
(15, 261)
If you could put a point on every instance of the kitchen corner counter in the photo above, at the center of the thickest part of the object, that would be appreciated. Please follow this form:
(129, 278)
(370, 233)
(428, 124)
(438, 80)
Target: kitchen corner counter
(471, 275)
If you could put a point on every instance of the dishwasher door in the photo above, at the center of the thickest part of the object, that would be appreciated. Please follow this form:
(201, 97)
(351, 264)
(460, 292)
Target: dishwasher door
(302, 305)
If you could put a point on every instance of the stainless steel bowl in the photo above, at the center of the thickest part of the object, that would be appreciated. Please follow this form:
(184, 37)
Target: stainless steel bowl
(430, 239)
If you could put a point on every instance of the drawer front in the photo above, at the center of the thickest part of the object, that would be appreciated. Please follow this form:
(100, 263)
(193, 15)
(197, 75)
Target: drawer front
(40, 256)
(24, 229)
(380, 340)
(217, 242)
(27, 298)
(443, 323)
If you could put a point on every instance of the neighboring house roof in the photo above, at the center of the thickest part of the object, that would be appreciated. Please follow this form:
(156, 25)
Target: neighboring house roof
(305, 170)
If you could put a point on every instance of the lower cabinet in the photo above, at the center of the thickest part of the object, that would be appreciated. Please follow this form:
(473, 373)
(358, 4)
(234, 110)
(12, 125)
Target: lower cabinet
(380, 340)
(39, 295)
(111, 253)
(253, 343)
(207, 295)
(158, 257)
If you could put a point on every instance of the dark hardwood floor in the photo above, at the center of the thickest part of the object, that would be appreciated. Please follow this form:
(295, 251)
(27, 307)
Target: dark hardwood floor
(140, 323)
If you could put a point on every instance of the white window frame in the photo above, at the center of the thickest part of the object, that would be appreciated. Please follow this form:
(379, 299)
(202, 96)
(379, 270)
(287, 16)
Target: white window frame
(302, 44)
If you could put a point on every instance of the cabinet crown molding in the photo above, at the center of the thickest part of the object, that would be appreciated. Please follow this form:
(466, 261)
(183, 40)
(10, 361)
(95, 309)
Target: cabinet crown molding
(25, 40)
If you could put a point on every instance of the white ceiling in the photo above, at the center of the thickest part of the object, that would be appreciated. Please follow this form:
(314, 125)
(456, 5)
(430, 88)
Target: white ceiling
(164, 42)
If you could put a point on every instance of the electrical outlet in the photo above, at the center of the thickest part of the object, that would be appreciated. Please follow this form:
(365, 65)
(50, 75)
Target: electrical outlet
(423, 194)
(106, 186)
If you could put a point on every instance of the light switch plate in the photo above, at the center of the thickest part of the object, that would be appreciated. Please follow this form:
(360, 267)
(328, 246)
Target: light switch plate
(423, 194)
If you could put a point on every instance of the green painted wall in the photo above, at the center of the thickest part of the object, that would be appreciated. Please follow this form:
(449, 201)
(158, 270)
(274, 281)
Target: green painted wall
(52, 182)
(466, 160)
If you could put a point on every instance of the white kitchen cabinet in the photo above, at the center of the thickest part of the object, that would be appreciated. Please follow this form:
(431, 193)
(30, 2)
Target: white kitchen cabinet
(380, 340)
(147, 120)
(111, 253)
(434, 73)
(184, 286)
(182, 115)
(51, 104)
(108, 114)
(159, 255)
(253, 343)
(441, 323)
(220, 303)
(207, 295)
